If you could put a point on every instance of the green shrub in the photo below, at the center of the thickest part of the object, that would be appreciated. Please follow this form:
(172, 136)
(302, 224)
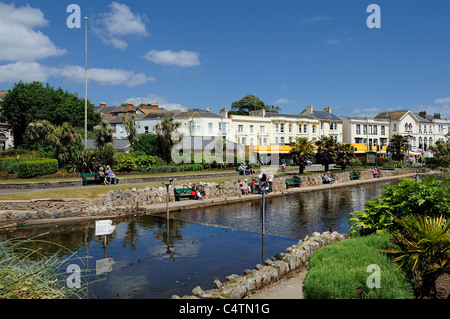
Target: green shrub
(355, 162)
(340, 271)
(194, 167)
(37, 168)
(9, 165)
(426, 196)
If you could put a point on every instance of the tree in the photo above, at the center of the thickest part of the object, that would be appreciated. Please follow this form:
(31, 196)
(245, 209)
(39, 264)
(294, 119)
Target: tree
(397, 146)
(104, 134)
(273, 108)
(326, 151)
(248, 103)
(167, 138)
(302, 150)
(61, 140)
(423, 250)
(147, 143)
(130, 127)
(28, 102)
(344, 154)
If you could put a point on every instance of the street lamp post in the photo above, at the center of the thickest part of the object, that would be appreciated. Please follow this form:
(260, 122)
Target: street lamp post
(85, 85)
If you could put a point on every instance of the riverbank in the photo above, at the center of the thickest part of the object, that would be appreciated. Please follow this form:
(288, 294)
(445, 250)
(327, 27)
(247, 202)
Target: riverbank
(16, 214)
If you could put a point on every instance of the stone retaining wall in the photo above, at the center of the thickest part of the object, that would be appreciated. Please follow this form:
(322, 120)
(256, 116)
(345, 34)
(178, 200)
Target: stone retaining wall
(117, 202)
(282, 265)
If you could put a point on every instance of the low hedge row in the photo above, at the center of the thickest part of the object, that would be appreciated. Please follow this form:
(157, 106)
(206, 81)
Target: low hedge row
(32, 169)
(340, 271)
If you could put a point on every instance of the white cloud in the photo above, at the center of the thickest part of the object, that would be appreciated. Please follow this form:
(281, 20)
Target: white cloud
(18, 37)
(33, 71)
(445, 100)
(168, 57)
(283, 101)
(316, 19)
(153, 98)
(119, 24)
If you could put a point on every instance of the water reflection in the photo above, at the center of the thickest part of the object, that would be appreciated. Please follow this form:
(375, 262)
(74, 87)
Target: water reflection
(150, 257)
(293, 216)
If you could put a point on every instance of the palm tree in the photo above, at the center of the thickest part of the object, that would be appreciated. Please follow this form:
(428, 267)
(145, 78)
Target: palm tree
(130, 127)
(345, 152)
(422, 248)
(104, 134)
(326, 151)
(166, 132)
(302, 150)
(397, 146)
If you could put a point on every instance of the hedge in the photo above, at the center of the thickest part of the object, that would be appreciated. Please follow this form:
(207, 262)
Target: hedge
(339, 271)
(32, 169)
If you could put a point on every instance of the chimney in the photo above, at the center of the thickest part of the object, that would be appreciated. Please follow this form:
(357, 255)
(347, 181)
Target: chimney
(154, 106)
(423, 114)
(327, 109)
(437, 116)
(102, 105)
(224, 113)
(208, 109)
(309, 110)
(144, 105)
(130, 105)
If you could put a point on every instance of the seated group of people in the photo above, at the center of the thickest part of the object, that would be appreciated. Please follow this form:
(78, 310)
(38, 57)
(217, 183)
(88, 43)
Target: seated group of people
(327, 178)
(107, 177)
(245, 169)
(259, 183)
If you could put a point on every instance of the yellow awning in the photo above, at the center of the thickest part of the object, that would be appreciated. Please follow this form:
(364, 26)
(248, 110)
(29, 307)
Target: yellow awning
(270, 149)
(362, 148)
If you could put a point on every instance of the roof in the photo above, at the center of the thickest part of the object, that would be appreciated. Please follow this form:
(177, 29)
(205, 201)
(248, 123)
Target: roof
(422, 119)
(302, 116)
(119, 145)
(360, 118)
(160, 114)
(396, 115)
(197, 114)
(2, 94)
(326, 116)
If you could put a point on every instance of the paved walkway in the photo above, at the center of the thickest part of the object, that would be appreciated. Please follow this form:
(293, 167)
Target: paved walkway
(290, 288)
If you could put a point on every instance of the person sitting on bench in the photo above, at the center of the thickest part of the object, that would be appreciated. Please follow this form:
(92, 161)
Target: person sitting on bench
(102, 176)
(110, 175)
(375, 173)
(196, 192)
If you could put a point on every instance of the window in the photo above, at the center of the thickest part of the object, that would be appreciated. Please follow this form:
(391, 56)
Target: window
(240, 128)
(223, 128)
(282, 141)
(358, 129)
(424, 128)
(210, 127)
(146, 129)
(276, 140)
(314, 129)
(252, 141)
(251, 128)
(290, 128)
(395, 127)
(420, 128)
(305, 128)
(370, 130)
(262, 129)
(365, 129)
(282, 127)
(375, 130)
(383, 130)
(196, 127)
(276, 127)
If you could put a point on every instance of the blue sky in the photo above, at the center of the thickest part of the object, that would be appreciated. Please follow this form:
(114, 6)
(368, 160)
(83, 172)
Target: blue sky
(209, 53)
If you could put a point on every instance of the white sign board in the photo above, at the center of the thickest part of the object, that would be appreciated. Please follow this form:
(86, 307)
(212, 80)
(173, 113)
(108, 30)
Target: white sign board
(103, 266)
(104, 227)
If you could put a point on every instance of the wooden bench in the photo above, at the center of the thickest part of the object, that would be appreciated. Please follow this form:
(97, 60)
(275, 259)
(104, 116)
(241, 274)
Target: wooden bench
(292, 182)
(354, 175)
(92, 178)
(180, 193)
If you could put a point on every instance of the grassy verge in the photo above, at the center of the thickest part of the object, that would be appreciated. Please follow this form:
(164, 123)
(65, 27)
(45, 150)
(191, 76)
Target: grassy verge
(339, 271)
